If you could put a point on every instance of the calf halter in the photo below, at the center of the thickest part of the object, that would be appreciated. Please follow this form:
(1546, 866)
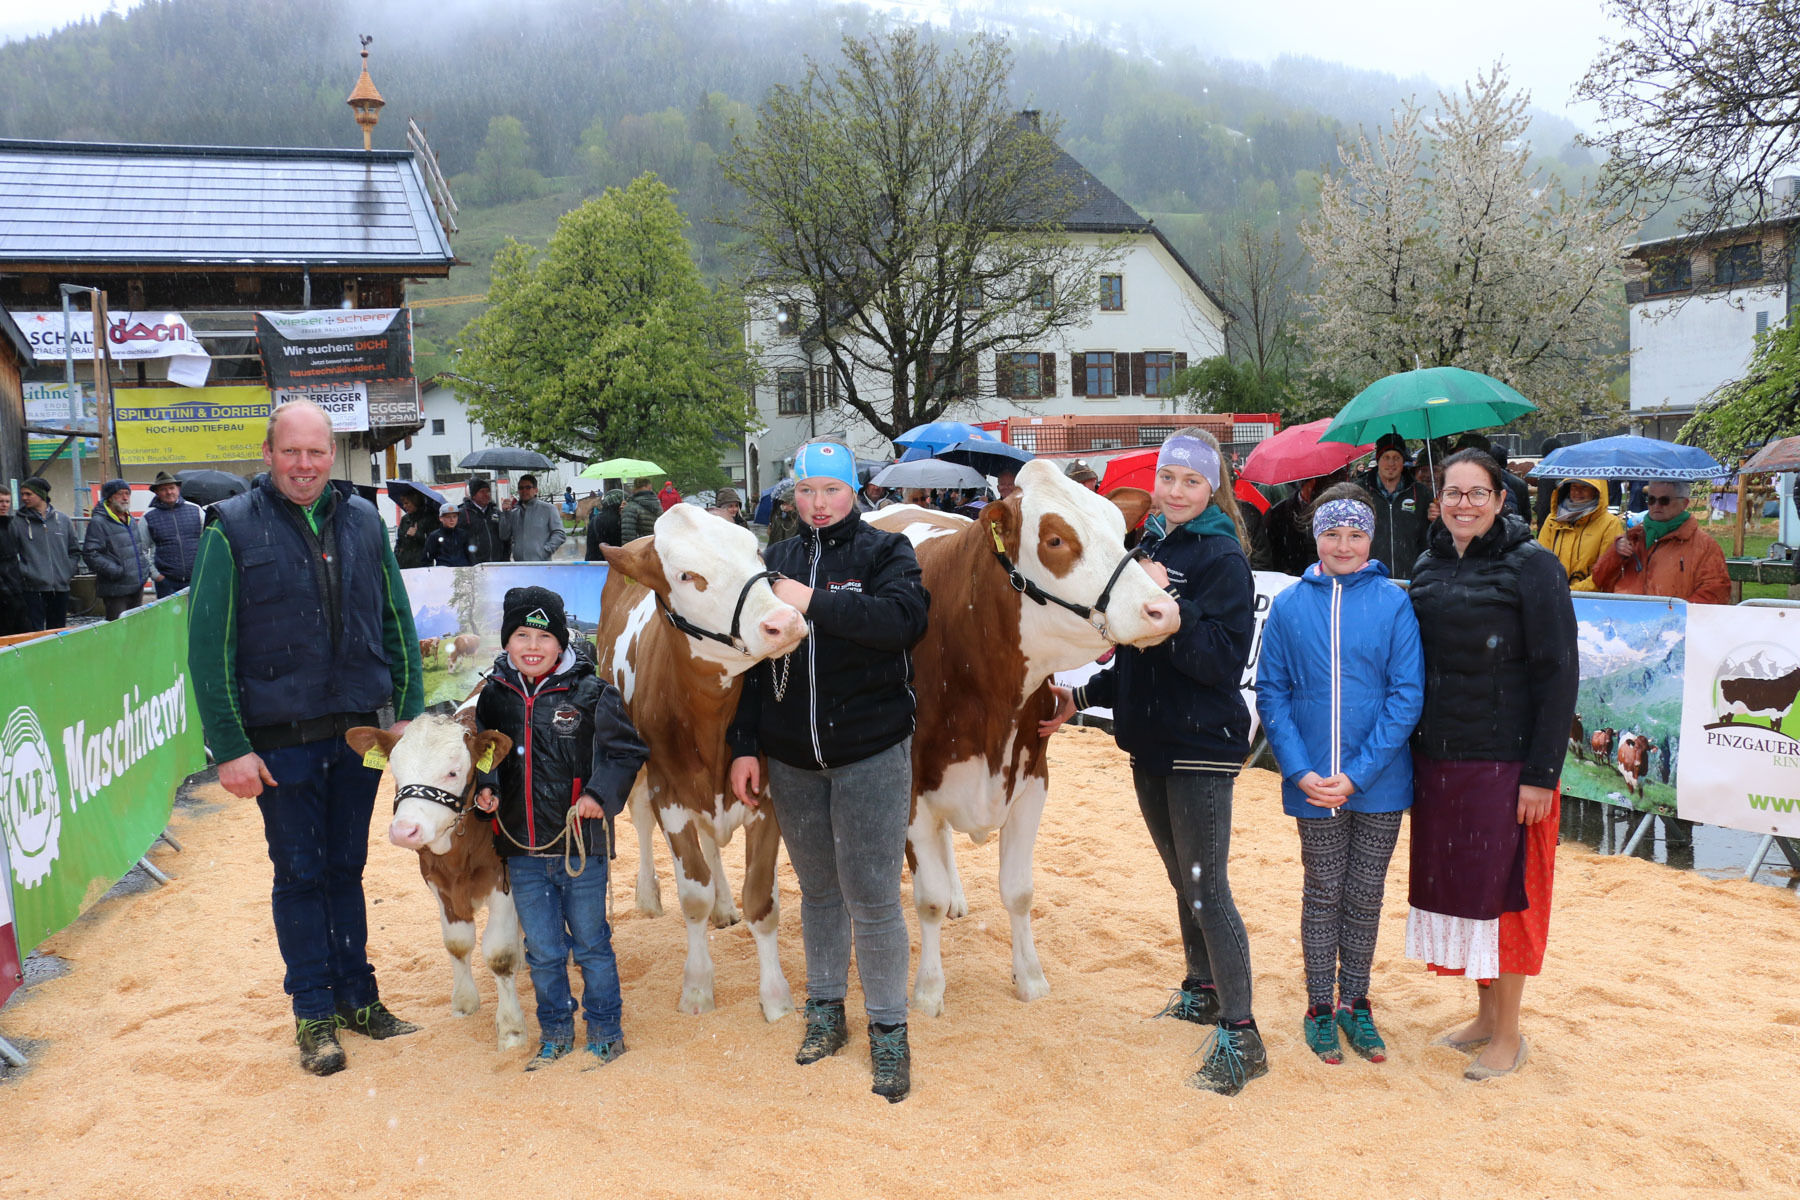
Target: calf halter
(424, 791)
(737, 614)
(1086, 612)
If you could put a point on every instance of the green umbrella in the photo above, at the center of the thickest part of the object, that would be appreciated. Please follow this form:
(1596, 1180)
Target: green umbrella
(1427, 403)
(621, 468)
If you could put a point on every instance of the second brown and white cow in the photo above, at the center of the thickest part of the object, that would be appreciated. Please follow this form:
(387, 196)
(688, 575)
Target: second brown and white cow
(1634, 761)
(433, 764)
(685, 612)
(1040, 583)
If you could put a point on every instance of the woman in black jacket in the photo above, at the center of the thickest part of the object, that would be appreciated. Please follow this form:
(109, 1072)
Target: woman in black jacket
(1501, 669)
(835, 719)
(1179, 711)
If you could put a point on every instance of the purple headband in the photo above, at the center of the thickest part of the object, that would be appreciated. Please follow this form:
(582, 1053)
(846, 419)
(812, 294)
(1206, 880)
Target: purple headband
(1192, 453)
(1344, 513)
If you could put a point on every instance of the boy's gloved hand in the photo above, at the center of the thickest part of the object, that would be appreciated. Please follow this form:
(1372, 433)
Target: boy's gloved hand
(486, 800)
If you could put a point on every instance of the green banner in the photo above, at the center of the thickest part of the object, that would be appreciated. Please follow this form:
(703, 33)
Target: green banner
(99, 729)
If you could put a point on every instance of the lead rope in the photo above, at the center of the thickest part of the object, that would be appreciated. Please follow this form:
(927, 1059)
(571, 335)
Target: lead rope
(574, 846)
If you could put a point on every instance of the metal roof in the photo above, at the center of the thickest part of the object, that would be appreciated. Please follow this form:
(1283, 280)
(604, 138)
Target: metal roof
(110, 203)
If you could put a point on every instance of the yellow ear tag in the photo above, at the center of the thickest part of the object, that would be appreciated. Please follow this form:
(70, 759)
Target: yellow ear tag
(486, 761)
(375, 759)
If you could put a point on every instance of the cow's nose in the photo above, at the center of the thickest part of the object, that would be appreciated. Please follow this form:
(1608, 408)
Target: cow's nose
(1161, 612)
(404, 833)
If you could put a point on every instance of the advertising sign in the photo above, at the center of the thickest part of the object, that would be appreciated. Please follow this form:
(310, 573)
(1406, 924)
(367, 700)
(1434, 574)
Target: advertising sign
(1740, 721)
(335, 346)
(47, 404)
(12, 972)
(130, 336)
(1625, 741)
(97, 729)
(161, 426)
(347, 403)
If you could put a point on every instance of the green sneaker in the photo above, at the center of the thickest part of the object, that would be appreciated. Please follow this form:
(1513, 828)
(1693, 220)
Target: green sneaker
(1358, 1024)
(320, 1052)
(548, 1053)
(1197, 1004)
(1233, 1058)
(373, 1021)
(1322, 1034)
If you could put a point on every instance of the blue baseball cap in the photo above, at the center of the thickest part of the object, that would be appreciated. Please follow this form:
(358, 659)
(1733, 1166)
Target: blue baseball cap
(827, 460)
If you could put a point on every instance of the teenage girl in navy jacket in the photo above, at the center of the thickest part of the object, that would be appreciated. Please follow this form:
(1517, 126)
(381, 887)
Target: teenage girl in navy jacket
(1179, 713)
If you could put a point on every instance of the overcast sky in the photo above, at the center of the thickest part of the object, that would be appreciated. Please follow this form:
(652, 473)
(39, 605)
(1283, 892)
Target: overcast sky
(1547, 44)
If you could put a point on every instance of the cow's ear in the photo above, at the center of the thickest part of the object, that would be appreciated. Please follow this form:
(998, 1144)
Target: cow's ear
(488, 747)
(639, 561)
(1003, 515)
(371, 744)
(1133, 502)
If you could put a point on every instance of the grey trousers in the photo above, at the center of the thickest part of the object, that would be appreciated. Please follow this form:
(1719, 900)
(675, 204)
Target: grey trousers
(845, 832)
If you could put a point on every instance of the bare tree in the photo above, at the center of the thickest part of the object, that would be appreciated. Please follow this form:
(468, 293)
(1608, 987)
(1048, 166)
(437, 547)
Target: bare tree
(914, 223)
(1703, 103)
(1257, 274)
(1439, 246)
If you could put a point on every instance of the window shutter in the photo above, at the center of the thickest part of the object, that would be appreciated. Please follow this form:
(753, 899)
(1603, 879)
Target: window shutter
(1002, 377)
(1078, 374)
(1048, 364)
(1137, 373)
(1180, 361)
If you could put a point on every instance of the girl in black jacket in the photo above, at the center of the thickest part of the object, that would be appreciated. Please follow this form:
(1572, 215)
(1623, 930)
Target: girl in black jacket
(835, 719)
(1179, 712)
(577, 755)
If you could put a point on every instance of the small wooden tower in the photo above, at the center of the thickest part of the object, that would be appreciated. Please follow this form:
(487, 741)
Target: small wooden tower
(364, 100)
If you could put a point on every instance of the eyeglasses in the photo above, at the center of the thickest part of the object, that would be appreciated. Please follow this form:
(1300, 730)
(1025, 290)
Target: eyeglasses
(1658, 501)
(1475, 496)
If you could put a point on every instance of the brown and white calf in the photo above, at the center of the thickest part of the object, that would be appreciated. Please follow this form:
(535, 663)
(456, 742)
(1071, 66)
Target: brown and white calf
(685, 612)
(982, 676)
(433, 764)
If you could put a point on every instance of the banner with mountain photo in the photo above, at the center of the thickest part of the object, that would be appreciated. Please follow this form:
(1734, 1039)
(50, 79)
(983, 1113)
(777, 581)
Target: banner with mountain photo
(1741, 719)
(1625, 741)
(456, 613)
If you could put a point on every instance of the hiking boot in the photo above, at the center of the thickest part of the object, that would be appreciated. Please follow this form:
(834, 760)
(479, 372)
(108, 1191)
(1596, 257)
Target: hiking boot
(1358, 1024)
(826, 1032)
(320, 1053)
(601, 1053)
(373, 1021)
(1322, 1035)
(548, 1053)
(1233, 1058)
(892, 1060)
(1191, 1002)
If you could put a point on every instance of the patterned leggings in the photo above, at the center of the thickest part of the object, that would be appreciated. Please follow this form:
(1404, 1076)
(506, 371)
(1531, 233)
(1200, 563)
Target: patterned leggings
(1346, 859)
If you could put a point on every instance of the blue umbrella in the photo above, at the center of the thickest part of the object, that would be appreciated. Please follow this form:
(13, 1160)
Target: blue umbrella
(1628, 457)
(990, 458)
(941, 435)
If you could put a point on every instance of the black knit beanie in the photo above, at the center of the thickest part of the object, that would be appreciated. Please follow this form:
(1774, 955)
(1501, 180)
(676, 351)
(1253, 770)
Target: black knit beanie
(536, 607)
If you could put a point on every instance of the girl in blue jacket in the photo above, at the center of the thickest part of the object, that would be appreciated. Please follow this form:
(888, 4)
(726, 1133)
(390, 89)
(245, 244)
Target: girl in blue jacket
(1340, 685)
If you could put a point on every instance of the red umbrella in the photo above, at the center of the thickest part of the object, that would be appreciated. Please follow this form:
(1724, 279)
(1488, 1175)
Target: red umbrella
(1297, 453)
(1138, 470)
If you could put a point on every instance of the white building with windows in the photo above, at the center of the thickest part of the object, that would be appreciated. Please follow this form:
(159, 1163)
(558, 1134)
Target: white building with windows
(1697, 305)
(1154, 315)
(449, 435)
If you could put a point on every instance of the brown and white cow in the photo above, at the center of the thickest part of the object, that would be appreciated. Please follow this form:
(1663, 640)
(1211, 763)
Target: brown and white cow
(1634, 761)
(685, 612)
(982, 676)
(1601, 743)
(462, 646)
(433, 764)
(1577, 738)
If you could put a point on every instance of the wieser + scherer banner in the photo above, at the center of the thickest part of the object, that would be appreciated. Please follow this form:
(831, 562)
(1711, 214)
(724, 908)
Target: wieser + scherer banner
(335, 346)
(97, 730)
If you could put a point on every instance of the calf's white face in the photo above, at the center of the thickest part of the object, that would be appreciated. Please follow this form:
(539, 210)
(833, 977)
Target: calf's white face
(1071, 541)
(439, 753)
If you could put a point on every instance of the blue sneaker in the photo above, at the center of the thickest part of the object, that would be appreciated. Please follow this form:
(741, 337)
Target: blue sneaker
(1358, 1024)
(598, 1054)
(1322, 1034)
(1233, 1058)
(548, 1053)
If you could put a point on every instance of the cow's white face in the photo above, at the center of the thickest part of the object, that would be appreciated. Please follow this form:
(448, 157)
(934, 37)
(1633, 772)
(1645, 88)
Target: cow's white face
(1071, 540)
(706, 560)
(433, 751)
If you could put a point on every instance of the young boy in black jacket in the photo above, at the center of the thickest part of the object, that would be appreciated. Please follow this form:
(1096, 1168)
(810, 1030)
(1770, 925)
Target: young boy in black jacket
(577, 755)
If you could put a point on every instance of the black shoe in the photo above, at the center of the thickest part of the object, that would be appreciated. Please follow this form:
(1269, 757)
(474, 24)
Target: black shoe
(549, 1052)
(892, 1059)
(598, 1054)
(373, 1021)
(826, 1032)
(1233, 1058)
(320, 1053)
(1191, 1002)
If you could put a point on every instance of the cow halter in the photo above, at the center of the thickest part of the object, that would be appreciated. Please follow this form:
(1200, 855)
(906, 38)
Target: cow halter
(737, 614)
(1085, 611)
(424, 791)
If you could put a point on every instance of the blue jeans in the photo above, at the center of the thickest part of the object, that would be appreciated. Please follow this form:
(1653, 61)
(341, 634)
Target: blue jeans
(316, 819)
(562, 913)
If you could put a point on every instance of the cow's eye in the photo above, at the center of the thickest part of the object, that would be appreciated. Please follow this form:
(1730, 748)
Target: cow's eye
(1053, 541)
(687, 577)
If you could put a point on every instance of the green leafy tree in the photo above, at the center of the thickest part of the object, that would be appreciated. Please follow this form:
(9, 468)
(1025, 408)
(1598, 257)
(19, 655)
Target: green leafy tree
(1763, 405)
(916, 224)
(503, 164)
(608, 342)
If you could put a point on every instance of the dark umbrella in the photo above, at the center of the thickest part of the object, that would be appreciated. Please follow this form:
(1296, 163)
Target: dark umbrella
(1776, 456)
(505, 458)
(990, 458)
(399, 487)
(203, 485)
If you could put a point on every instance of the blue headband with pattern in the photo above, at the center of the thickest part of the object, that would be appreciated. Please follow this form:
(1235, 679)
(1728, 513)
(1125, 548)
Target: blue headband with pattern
(1338, 514)
(1190, 452)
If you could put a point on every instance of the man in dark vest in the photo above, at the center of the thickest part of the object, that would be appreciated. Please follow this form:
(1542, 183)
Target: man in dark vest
(299, 630)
